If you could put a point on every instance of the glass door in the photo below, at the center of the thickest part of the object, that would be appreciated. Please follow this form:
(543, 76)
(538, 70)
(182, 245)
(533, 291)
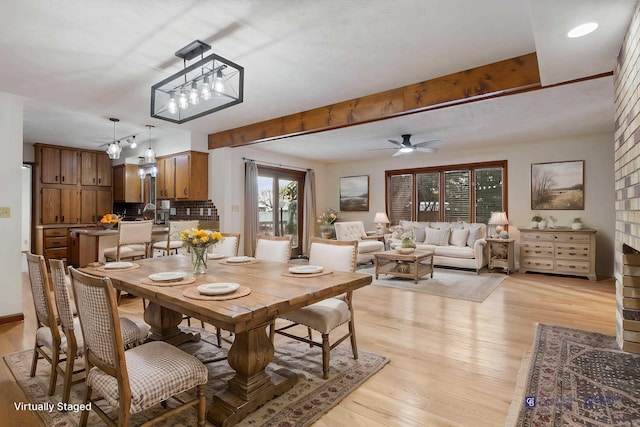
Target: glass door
(280, 204)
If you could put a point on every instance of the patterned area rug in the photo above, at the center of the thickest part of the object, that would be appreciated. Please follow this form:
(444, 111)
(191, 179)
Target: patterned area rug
(579, 378)
(307, 401)
(448, 283)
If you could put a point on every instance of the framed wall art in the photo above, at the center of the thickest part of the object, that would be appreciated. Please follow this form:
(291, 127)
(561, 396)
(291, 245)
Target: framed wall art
(354, 193)
(557, 185)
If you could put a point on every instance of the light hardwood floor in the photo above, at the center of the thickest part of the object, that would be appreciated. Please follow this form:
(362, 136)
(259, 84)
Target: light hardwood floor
(453, 363)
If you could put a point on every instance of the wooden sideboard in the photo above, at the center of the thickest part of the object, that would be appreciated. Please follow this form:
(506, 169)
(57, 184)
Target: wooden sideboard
(559, 251)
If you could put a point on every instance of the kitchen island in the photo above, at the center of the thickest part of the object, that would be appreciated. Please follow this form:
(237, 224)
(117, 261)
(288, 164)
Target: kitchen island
(88, 244)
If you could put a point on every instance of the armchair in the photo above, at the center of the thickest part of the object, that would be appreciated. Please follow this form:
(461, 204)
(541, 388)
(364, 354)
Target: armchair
(367, 245)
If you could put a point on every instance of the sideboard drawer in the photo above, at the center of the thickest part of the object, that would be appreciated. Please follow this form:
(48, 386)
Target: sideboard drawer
(573, 237)
(55, 232)
(537, 249)
(538, 263)
(542, 237)
(567, 266)
(573, 251)
(57, 253)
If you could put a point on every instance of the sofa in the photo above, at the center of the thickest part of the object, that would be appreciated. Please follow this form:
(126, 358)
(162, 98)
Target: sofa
(354, 230)
(454, 244)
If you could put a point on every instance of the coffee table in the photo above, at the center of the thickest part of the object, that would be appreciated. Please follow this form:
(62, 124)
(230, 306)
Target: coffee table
(413, 266)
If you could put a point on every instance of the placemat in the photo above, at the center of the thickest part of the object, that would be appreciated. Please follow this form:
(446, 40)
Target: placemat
(303, 275)
(253, 261)
(183, 281)
(106, 270)
(192, 292)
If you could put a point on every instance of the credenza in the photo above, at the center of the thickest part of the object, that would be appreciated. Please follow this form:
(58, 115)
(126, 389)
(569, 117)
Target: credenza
(559, 251)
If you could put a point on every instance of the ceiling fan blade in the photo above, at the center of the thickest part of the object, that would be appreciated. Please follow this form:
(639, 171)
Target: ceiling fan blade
(428, 143)
(427, 150)
(377, 149)
(399, 144)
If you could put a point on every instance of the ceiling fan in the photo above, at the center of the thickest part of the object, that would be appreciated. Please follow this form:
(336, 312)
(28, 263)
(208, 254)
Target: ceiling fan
(407, 147)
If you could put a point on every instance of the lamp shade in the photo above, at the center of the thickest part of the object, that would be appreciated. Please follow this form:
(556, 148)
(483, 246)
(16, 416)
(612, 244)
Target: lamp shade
(381, 218)
(498, 218)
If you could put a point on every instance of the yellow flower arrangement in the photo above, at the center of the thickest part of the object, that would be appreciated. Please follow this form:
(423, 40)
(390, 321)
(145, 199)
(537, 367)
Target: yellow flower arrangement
(199, 238)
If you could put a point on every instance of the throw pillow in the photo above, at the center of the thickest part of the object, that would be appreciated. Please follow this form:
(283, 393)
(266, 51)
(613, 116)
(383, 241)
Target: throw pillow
(459, 237)
(437, 237)
(418, 234)
(474, 234)
(397, 233)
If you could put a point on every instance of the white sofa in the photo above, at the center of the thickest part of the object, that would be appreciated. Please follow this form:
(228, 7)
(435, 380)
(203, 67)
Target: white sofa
(354, 230)
(454, 244)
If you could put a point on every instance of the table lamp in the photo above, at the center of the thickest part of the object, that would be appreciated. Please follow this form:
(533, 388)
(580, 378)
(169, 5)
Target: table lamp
(380, 219)
(498, 220)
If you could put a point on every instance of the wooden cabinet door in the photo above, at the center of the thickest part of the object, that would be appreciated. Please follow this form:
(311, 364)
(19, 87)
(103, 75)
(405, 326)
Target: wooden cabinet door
(104, 170)
(69, 206)
(50, 165)
(126, 184)
(88, 167)
(165, 178)
(182, 174)
(88, 200)
(103, 203)
(68, 167)
(50, 206)
(118, 183)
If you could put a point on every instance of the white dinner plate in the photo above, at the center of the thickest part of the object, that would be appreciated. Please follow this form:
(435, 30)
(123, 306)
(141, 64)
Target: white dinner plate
(305, 269)
(168, 276)
(215, 256)
(217, 288)
(118, 265)
(239, 259)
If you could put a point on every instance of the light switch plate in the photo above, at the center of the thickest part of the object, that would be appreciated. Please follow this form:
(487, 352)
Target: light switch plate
(5, 212)
(172, 211)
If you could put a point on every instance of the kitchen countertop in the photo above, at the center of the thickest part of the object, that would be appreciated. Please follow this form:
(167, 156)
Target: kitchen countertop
(98, 231)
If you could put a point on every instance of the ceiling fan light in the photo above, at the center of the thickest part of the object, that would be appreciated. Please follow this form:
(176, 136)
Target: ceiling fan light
(582, 30)
(406, 149)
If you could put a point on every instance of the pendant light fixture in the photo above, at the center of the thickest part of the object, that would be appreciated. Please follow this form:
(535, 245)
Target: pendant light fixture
(114, 148)
(149, 154)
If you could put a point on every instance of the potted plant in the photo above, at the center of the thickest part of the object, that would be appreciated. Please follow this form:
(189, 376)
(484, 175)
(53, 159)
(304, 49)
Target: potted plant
(407, 246)
(535, 220)
(576, 224)
(326, 220)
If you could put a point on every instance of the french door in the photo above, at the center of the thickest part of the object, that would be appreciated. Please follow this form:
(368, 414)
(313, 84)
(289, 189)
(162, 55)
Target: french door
(280, 204)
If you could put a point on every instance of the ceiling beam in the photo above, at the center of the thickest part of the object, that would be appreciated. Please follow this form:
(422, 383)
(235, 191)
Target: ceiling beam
(497, 79)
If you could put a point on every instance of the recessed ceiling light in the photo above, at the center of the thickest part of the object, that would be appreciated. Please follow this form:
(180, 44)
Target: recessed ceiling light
(582, 30)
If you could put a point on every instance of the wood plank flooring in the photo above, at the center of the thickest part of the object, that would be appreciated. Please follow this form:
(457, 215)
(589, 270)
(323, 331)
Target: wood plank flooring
(453, 363)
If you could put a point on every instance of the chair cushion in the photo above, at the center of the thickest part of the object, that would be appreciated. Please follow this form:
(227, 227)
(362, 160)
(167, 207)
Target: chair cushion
(332, 257)
(322, 316)
(45, 338)
(129, 251)
(455, 252)
(133, 332)
(366, 246)
(173, 244)
(157, 371)
(228, 247)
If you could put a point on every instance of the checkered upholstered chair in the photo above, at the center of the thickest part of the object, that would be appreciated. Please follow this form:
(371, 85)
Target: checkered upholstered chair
(367, 245)
(133, 333)
(134, 241)
(328, 314)
(133, 380)
(273, 248)
(173, 242)
(229, 245)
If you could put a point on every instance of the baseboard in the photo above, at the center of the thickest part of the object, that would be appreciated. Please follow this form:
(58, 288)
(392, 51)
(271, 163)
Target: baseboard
(11, 318)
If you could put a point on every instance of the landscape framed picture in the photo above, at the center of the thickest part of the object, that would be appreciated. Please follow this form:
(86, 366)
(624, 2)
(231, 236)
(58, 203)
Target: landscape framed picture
(557, 185)
(354, 193)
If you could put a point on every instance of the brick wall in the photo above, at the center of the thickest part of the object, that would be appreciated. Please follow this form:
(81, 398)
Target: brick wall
(627, 182)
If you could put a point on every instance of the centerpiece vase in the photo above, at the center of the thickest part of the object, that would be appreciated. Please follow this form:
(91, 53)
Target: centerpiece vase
(326, 231)
(199, 259)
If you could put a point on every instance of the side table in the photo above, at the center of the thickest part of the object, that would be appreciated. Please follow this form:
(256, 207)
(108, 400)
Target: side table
(500, 254)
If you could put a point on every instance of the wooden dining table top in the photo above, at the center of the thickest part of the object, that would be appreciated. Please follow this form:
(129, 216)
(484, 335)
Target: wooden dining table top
(273, 291)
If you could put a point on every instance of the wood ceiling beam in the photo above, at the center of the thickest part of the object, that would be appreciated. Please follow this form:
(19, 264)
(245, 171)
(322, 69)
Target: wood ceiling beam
(497, 79)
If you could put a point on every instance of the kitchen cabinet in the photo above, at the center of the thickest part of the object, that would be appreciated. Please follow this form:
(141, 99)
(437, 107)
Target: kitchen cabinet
(126, 184)
(104, 170)
(58, 206)
(184, 176)
(95, 169)
(58, 166)
(94, 204)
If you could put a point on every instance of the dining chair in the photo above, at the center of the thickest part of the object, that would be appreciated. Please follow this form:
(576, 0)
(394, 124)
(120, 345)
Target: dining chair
(273, 248)
(228, 246)
(328, 314)
(133, 333)
(134, 241)
(133, 380)
(173, 242)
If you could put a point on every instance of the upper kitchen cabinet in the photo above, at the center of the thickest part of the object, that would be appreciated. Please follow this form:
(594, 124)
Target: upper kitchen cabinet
(58, 165)
(95, 169)
(126, 184)
(183, 176)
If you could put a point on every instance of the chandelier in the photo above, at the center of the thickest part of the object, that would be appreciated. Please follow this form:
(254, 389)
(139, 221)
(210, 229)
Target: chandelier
(211, 84)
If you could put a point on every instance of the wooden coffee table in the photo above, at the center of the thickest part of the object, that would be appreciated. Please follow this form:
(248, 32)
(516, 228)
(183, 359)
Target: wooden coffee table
(413, 266)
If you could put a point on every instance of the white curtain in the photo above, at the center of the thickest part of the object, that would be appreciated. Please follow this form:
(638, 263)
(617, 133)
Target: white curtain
(309, 225)
(250, 206)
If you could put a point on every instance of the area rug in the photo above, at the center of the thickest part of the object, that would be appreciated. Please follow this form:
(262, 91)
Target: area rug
(448, 283)
(306, 402)
(578, 378)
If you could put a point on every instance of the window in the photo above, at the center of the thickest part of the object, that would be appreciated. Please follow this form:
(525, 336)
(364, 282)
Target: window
(468, 192)
(280, 202)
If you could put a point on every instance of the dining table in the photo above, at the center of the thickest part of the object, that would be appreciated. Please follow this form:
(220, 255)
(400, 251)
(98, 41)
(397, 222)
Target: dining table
(265, 291)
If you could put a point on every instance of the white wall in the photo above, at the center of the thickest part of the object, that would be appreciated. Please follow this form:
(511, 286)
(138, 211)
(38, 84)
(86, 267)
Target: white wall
(10, 228)
(596, 150)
